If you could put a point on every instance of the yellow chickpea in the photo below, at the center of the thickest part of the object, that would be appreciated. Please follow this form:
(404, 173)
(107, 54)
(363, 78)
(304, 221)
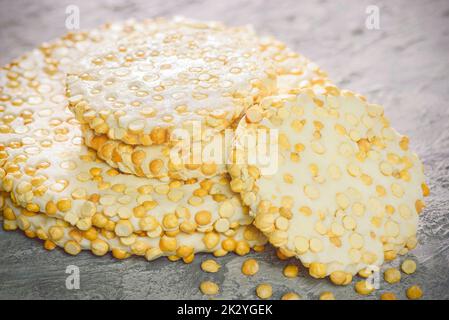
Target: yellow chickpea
(250, 267)
(408, 266)
(210, 266)
(327, 296)
(414, 292)
(363, 287)
(392, 275)
(264, 291)
(388, 296)
(291, 271)
(209, 288)
(290, 296)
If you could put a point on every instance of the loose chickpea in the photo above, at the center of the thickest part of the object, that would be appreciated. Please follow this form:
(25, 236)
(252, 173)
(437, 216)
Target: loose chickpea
(250, 267)
(209, 288)
(291, 271)
(388, 296)
(210, 266)
(363, 287)
(408, 266)
(392, 275)
(340, 278)
(327, 296)
(290, 296)
(414, 292)
(264, 291)
(365, 273)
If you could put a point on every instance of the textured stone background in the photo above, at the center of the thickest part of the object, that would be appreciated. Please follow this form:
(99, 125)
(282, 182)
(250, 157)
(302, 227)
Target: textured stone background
(403, 66)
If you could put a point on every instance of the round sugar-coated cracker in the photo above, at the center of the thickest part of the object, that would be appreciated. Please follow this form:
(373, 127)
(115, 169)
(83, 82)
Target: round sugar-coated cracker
(58, 233)
(345, 191)
(46, 168)
(179, 73)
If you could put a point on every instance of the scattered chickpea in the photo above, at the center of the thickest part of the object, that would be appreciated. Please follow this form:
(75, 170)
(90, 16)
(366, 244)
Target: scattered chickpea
(363, 287)
(327, 295)
(290, 296)
(408, 266)
(392, 275)
(264, 291)
(340, 278)
(388, 296)
(250, 267)
(209, 288)
(365, 273)
(210, 266)
(291, 271)
(414, 292)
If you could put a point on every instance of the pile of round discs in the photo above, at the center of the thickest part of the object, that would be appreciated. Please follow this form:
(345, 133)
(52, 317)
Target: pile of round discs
(147, 138)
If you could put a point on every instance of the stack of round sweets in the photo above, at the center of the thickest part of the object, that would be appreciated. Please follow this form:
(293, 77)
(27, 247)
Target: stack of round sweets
(51, 179)
(47, 172)
(147, 102)
(337, 187)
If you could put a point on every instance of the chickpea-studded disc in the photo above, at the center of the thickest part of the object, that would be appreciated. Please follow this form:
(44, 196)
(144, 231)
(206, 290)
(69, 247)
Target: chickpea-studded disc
(55, 232)
(46, 167)
(178, 73)
(346, 191)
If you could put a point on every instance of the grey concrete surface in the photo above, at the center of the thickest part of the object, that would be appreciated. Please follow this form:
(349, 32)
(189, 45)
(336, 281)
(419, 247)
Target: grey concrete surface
(404, 66)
